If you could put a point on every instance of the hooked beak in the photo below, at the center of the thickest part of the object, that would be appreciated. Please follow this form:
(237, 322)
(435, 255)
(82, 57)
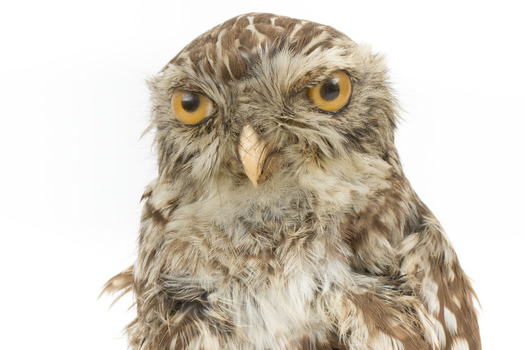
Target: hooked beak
(256, 156)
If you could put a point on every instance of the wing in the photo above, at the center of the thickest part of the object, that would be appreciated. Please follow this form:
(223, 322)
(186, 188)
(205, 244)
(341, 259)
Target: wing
(171, 308)
(444, 288)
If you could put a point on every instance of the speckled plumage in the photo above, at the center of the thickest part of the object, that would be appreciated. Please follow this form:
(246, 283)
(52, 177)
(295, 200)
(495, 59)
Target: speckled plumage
(333, 250)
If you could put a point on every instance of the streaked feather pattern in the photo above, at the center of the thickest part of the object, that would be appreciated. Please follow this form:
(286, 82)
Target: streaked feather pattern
(334, 250)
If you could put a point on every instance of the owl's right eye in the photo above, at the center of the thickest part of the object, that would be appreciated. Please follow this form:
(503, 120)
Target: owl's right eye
(191, 107)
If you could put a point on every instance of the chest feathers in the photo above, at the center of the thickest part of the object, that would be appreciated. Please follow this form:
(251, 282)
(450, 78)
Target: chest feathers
(330, 273)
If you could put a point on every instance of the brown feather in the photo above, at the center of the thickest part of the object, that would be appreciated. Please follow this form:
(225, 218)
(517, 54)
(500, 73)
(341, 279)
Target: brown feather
(332, 250)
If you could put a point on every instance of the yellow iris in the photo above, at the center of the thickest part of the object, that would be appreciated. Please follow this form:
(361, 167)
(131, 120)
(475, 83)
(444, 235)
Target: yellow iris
(331, 94)
(190, 107)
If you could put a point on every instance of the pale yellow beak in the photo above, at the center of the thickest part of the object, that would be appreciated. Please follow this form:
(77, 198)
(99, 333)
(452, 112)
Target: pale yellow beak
(253, 154)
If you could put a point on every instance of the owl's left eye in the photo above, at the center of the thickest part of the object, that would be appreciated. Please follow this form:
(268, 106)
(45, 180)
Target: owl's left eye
(190, 107)
(332, 94)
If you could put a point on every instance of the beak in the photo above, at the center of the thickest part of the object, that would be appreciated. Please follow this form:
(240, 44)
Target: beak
(256, 156)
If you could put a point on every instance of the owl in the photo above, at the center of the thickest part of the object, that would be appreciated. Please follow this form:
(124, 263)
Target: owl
(281, 217)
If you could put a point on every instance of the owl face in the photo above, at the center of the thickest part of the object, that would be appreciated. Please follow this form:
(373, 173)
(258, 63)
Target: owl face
(261, 101)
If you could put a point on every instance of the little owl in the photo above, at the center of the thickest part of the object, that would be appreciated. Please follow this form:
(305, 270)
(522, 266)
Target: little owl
(281, 217)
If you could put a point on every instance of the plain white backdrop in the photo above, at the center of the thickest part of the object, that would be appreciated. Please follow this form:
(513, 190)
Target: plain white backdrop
(73, 164)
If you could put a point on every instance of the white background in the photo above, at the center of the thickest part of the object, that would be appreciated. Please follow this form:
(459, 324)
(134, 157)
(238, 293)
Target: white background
(73, 166)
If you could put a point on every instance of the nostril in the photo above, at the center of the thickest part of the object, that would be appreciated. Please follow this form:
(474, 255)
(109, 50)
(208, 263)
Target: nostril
(261, 130)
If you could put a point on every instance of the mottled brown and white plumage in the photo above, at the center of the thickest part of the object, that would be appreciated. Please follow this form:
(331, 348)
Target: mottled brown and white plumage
(321, 243)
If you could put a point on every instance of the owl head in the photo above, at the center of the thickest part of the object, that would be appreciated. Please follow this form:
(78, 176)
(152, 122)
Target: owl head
(264, 102)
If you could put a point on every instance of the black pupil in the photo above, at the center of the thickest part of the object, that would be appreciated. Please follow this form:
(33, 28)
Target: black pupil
(190, 102)
(330, 90)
